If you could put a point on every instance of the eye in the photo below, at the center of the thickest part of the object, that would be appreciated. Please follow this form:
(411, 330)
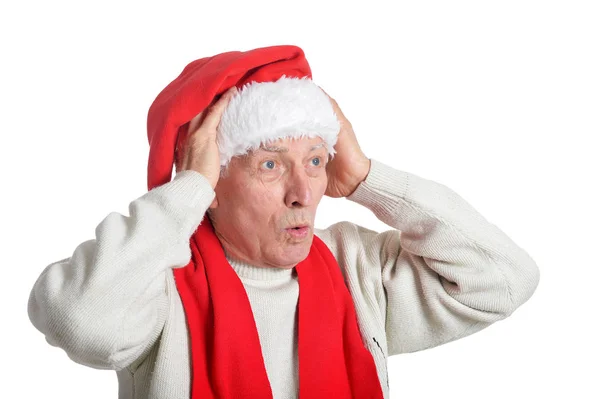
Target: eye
(318, 161)
(270, 164)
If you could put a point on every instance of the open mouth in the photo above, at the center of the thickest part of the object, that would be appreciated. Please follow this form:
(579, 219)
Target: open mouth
(298, 227)
(298, 231)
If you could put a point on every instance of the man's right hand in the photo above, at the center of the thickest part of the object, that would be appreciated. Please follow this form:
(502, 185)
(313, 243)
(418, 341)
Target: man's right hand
(199, 149)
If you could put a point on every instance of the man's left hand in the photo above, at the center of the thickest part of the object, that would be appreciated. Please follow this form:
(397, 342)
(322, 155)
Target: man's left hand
(349, 166)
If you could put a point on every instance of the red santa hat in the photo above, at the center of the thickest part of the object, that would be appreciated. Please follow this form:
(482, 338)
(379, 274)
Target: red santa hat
(276, 99)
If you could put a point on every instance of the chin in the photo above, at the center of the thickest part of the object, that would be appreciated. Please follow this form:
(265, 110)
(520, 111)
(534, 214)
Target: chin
(296, 254)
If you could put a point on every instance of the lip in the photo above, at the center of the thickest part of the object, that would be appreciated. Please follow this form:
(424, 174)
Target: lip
(299, 233)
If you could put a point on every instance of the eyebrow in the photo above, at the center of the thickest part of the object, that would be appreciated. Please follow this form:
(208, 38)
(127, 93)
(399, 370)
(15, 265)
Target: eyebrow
(284, 149)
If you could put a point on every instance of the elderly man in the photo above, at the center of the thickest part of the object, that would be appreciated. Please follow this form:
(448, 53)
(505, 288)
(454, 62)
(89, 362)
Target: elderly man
(219, 284)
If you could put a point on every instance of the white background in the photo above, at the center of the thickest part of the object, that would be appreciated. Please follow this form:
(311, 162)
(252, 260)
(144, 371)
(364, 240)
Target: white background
(498, 100)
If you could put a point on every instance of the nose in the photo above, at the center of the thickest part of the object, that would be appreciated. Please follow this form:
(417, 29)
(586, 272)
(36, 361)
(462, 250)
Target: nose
(299, 191)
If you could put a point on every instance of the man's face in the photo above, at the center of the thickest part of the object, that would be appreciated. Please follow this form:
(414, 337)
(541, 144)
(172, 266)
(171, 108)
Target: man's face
(266, 192)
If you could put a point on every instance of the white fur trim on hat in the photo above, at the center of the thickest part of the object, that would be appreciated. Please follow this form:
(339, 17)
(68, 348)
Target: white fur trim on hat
(261, 112)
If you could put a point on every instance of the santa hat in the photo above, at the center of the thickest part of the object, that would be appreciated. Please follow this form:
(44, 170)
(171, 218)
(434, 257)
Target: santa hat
(276, 99)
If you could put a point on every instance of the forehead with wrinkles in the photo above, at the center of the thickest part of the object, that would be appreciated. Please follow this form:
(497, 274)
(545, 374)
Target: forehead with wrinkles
(280, 149)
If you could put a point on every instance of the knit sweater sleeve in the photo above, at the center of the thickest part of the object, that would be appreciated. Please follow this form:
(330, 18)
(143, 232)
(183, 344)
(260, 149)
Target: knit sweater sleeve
(106, 304)
(441, 273)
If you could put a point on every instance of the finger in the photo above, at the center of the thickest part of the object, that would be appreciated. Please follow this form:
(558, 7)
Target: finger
(196, 122)
(213, 116)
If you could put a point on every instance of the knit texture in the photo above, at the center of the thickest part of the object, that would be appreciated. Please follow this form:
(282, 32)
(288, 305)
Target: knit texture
(440, 273)
(273, 295)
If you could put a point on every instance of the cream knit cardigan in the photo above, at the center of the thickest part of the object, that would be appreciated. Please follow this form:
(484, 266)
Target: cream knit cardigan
(440, 273)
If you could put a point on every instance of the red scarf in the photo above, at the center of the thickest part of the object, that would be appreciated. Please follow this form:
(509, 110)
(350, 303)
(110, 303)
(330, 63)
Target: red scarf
(226, 355)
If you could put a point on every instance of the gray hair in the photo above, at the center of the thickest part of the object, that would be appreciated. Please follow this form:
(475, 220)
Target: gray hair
(224, 171)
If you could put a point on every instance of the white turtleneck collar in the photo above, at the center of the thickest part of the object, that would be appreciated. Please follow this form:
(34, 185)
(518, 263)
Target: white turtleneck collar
(248, 271)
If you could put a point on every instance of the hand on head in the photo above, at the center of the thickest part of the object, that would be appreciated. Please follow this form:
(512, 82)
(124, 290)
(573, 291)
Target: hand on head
(198, 149)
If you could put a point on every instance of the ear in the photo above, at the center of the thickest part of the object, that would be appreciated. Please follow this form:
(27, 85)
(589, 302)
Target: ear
(214, 204)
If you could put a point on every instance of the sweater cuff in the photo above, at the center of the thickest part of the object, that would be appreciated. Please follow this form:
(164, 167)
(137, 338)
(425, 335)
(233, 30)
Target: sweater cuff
(185, 198)
(191, 188)
(382, 189)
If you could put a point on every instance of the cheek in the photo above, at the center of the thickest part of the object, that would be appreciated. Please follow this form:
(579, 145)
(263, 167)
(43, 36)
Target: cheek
(258, 204)
(321, 185)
